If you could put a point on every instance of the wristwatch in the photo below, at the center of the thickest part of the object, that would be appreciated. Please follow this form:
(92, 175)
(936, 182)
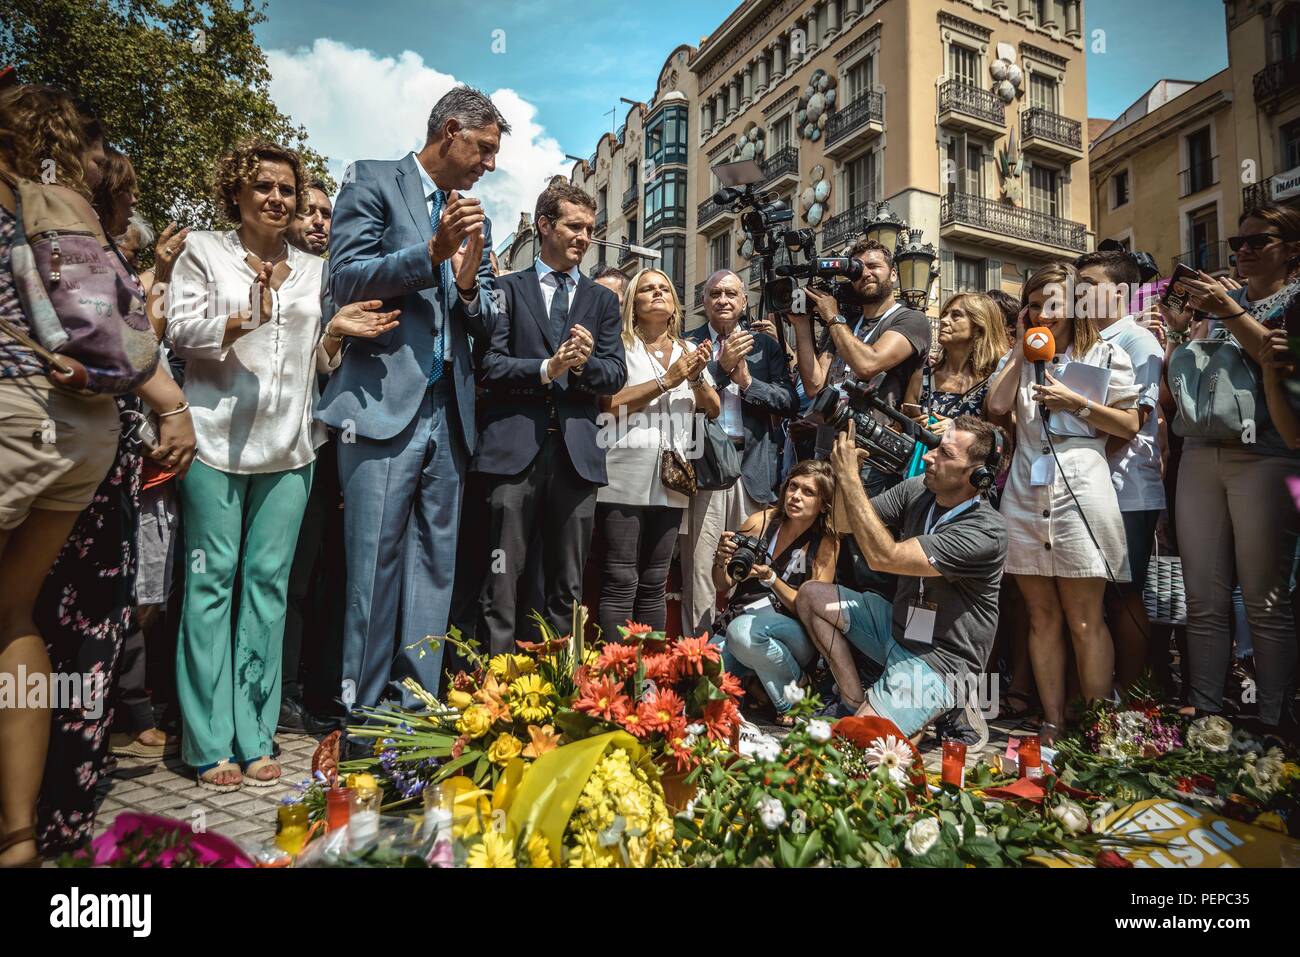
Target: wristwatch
(1084, 410)
(837, 320)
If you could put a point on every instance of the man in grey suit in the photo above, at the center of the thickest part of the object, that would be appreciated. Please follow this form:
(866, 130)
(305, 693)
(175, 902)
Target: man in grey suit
(403, 402)
(753, 381)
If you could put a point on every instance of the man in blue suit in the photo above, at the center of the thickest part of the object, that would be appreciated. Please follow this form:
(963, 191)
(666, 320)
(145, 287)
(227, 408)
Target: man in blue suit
(556, 349)
(403, 402)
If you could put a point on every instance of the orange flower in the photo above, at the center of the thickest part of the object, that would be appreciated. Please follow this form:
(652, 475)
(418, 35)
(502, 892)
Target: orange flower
(458, 746)
(675, 737)
(658, 710)
(535, 647)
(720, 719)
(544, 739)
(634, 725)
(634, 630)
(661, 669)
(492, 695)
(730, 684)
(693, 654)
(603, 698)
(619, 660)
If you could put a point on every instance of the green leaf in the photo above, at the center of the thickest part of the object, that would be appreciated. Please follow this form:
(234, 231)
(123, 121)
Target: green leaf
(810, 849)
(786, 850)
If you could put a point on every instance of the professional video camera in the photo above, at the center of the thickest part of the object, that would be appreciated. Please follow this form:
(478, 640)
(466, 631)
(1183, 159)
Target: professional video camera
(890, 451)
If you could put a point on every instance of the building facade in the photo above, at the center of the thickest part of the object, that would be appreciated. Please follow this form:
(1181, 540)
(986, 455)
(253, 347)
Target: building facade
(966, 116)
(1172, 174)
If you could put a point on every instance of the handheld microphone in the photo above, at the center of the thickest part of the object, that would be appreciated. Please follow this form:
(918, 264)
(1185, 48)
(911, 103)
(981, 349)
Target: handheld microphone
(1040, 347)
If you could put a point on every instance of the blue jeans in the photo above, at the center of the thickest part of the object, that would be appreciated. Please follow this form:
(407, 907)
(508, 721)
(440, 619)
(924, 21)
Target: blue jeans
(909, 692)
(773, 646)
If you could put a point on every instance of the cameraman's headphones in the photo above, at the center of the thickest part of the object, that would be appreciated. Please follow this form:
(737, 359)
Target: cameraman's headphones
(984, 476)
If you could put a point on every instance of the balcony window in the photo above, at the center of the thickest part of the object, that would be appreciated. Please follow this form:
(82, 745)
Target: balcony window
(966, 160)
(860, 78)
(780, 136)
(1203, 231)
(968, 274)
(1200, 163)
(673, 263)
(861, 185)
(665, 200)
(1045, 191)
(665, 137)
(963, 65)
(1043, 92)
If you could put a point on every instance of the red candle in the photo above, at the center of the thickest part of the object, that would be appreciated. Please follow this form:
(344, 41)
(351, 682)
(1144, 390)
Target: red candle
(954, 763)
(338, 808)
(1031, 762)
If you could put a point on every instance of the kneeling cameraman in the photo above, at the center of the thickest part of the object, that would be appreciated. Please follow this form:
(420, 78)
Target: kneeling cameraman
(948, 556)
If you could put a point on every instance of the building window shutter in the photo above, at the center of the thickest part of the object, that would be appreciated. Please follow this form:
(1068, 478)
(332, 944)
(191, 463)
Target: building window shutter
(992, 274)
(947, 275)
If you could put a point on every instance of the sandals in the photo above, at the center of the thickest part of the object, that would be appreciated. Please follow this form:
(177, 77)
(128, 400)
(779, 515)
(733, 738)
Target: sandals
(1015, 714)
(206, 775)
(21, 836)
(1048, 733)
(253, 769)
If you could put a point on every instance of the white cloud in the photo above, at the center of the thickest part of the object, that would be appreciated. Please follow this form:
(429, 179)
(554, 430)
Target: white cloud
(356, 105)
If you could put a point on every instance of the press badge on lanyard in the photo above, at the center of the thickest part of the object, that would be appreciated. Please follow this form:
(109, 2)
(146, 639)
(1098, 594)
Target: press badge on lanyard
(921, 613)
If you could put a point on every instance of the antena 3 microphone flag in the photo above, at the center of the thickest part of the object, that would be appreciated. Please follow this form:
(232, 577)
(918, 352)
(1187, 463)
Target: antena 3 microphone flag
(1040, 347)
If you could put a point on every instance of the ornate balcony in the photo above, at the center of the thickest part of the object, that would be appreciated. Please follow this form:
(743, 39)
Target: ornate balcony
(855, 123)
(1201, 175)
(1000, 225)
(707, 211)
(966, 107)
(1051, 135)
(782, 164)
(1211, 258)
(844, 226)
(1277, 81)
(630, 197)
(602, 220)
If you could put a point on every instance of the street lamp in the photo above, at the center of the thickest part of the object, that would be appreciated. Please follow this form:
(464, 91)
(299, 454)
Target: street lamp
(914, 261)
(884, 227)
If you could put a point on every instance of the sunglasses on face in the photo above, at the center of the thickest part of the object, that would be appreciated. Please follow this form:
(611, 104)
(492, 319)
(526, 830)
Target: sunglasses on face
(1255, 241)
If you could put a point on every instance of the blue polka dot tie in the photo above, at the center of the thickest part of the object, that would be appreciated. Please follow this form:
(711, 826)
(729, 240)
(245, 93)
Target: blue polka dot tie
(440, 337)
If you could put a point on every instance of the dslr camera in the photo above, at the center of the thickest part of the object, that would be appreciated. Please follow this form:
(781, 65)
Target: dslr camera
(890, 451)
(743, 559)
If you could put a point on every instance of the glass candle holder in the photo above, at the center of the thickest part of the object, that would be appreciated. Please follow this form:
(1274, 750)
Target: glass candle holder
(338, 808)
(291, 827)
(1031, 761)
(954, 763)
(363, 821)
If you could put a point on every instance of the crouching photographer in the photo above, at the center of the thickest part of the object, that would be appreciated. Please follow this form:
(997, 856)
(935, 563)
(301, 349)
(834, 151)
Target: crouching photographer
(947, 544)
(760, 569)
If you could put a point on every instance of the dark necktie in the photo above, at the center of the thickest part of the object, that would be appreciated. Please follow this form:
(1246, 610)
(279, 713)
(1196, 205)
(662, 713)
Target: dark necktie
(559, 307)
(440, 335)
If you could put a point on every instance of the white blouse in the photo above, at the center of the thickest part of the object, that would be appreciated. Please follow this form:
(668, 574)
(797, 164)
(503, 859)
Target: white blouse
(635, 439)
(253, 400)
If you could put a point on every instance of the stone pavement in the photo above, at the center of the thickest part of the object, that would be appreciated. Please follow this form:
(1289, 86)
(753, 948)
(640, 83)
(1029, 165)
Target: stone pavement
(248, 815)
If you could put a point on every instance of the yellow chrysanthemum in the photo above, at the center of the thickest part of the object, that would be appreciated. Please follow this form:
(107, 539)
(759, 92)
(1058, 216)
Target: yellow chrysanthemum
(495, 850)
(539, 852)
(531, 698)
(510, 667)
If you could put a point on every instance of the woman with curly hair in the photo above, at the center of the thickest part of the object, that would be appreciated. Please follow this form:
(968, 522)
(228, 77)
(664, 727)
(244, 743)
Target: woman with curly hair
(244, 312)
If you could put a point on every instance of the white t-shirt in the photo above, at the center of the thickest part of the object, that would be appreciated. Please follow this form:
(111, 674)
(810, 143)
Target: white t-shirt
(634, 439)
(252, 401)
(1135, 469)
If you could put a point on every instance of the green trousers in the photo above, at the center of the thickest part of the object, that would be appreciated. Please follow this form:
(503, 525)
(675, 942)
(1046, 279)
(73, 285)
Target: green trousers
(238, 528)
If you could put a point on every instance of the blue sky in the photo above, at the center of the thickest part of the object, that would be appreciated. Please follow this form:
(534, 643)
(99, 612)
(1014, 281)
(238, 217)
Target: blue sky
(360, 75)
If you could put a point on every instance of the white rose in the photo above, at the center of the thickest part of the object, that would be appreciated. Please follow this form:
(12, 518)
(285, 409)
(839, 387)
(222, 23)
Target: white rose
(1209, 739)
(1072, 816)
(819, 731)
(921, 836)
(771, 812)
(793, 693)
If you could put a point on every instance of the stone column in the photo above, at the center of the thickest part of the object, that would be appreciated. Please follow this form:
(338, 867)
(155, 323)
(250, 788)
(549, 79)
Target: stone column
(813, 40)
(1026, 10)
(1049, 15)
(747, 84)
(832, 17)
(1073, 28)
(763, 76)
(706, 116)
(720, 107)
(778, 58)
(732, 101)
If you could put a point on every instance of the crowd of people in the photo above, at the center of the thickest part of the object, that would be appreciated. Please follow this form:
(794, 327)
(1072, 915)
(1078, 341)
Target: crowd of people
(353, 434)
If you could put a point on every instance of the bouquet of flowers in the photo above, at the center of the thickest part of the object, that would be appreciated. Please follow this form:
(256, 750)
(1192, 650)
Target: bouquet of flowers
(150, 840)
(1136, 730)
(667, 693)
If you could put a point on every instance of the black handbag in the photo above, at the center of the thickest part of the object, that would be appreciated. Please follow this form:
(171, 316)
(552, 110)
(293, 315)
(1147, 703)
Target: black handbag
(718, 466)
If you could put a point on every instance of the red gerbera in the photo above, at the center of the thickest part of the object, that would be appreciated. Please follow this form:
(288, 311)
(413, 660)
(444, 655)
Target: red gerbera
(660, 711)
(617, 659)
(675, 737)
(693, 654)
(661, 669)
(730, 684)
(603, 698)
(634, 724)
(720, 719)
(634, 630)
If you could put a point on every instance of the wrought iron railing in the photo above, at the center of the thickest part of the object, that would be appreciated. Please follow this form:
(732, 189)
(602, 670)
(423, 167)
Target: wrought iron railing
(957, 96)
(1200, 175)
(867, 108)
(1014, 221)
(1277, 78)
(602, 219)
(847, 224)
(1045, 125)
(783, 161)
(1209, 257)
(707, 210)
(629, 197)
